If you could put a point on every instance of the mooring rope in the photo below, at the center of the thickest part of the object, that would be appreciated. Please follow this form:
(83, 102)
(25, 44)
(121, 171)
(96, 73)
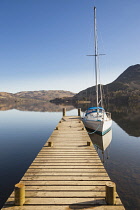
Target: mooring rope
(95, 130)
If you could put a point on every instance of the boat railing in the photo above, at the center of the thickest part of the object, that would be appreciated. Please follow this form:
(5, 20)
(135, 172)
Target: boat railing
(108, 114)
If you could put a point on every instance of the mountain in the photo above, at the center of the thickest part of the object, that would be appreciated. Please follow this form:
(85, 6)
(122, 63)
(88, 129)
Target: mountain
(32, 96)
(130, 76)
(125, 89)
(45, 95)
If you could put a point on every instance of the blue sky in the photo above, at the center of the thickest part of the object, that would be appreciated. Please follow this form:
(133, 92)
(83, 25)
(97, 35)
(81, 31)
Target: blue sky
(44, 43)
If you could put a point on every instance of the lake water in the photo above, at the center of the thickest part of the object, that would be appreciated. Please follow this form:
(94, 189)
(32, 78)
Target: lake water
(23, 133)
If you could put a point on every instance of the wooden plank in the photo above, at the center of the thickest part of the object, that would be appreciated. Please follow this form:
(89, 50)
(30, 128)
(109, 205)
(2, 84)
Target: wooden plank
(62, 207)
(66, 183)
(66, 149)
(40, 174)
(73, 167)
(80, 178)
(65, 170)
(67, 153)
(67, 201)
(63, 194)
(95, 163)
(70, 155)
(72, 160)
(67, 159)
(66, 188)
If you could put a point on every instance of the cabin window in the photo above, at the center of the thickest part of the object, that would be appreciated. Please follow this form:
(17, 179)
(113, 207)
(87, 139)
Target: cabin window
(94, 110)
(91, 110)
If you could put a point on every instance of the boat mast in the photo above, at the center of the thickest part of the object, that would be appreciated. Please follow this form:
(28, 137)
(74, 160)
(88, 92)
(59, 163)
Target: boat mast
(96, 55)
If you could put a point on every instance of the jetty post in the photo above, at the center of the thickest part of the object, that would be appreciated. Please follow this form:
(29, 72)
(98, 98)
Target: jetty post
(64, 112)
(79, 111)
(19, 194)
(50, 144)
(88, 143)
(110, 193)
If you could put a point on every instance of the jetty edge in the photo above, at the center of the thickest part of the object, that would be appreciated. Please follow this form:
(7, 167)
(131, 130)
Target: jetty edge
(66, 174)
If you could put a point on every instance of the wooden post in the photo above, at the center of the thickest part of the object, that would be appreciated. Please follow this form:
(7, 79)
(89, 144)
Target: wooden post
(79, 111)
(19, 194)
(64, 112)
(50, 144)
(110, 193)
(88, 143)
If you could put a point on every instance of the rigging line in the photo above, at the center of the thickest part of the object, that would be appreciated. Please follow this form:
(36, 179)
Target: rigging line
(96, 55)
(101, 86)
(101, 93)
(99, 72)
(98, 69)
(91, 80)
(102, 42)
(90, 35)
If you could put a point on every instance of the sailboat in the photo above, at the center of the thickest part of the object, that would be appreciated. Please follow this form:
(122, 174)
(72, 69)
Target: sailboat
(96, 118)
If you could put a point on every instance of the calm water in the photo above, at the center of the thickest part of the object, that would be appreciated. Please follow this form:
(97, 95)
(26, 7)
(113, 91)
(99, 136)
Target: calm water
(23, 133)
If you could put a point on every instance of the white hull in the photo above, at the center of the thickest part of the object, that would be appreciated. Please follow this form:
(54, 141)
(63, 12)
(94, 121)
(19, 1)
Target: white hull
(99, 126)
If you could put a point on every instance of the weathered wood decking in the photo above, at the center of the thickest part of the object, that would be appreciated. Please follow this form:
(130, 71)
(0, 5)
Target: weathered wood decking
(68, 175)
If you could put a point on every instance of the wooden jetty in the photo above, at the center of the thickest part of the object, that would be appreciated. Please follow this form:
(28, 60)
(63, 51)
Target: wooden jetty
(66, 174)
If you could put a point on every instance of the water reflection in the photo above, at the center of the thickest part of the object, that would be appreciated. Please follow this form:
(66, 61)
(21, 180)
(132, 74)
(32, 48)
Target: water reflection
(127, 117)
(102, 143)
(36, 107)
(128, 120)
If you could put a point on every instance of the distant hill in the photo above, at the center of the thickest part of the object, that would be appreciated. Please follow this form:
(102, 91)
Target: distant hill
(45, 95)
(32, 96)
(130, 76)
(126, 88)
(6, 97)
